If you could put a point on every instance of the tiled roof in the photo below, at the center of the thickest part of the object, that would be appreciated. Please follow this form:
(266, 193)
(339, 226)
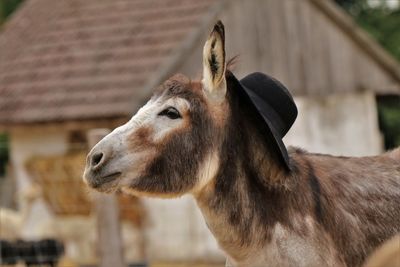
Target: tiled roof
(87, 59)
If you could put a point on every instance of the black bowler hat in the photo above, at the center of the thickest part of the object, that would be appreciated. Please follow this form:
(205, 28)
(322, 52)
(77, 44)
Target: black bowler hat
(274, 103)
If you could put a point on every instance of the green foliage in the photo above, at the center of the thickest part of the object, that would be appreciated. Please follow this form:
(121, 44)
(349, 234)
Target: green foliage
(3, 153)
(389, 119)
(7, 7)
(380, 21)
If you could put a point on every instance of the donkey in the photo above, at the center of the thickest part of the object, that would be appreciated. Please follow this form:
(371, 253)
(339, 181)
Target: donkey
(202, 138)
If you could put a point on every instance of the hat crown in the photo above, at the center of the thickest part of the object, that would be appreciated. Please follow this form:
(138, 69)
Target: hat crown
(272, 99)
(276, 107)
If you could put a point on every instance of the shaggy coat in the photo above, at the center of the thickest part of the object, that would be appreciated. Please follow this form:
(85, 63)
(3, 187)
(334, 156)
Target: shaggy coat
(343, 206)
(204, 139)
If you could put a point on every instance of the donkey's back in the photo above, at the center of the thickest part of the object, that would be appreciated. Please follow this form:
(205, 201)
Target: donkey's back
(356, 200)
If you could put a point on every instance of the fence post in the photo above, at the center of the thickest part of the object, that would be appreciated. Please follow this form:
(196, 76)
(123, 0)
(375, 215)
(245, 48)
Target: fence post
(109, 243)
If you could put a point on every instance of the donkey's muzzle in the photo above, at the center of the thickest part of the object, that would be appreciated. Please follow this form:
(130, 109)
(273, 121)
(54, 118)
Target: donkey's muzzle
(97, 159)
(97, 172)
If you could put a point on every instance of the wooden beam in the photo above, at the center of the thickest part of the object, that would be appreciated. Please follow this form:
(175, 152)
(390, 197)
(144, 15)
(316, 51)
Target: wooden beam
(109, 232)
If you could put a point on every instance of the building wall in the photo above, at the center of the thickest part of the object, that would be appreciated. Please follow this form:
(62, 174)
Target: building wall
(177, 232)
(340, 124)
(298, 44)
(24, 145)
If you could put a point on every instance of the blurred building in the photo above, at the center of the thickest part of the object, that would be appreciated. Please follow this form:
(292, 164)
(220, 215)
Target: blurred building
(67, 66)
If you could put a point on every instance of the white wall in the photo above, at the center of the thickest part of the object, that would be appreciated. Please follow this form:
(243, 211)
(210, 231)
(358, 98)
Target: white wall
(341, 124)
(178, 232)
(23, 146)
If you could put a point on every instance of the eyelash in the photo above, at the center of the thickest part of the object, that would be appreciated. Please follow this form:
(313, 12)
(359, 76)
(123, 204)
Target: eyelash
(170, 112)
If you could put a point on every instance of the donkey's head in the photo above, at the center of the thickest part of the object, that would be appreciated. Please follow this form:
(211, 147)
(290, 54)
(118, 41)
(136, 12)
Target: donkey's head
(170, 147)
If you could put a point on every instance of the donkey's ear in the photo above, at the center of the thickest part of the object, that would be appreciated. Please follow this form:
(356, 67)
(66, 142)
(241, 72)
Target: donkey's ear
(214, 64)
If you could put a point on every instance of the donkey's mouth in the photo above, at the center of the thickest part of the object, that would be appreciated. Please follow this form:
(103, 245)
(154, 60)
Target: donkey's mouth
(105, 183)
(110, 177)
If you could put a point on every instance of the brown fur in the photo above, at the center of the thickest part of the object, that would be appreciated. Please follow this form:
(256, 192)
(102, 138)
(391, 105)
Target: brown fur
(353, 202)
(140, 139)
(324, 211)
(174, 169)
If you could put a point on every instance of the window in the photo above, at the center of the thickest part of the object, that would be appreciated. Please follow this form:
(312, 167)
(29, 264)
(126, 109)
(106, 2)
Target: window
(77, 141)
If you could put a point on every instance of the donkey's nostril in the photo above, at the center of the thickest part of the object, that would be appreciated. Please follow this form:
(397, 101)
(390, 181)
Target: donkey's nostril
(96, 159)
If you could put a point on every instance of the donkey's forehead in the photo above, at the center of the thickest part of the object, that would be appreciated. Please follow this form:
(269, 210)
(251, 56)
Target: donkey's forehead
(180, 86)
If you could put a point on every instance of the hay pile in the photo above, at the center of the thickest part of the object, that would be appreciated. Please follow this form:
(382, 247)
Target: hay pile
(60, 178)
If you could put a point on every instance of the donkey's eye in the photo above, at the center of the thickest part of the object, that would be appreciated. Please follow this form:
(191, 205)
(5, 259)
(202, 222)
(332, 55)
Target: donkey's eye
(171, 113)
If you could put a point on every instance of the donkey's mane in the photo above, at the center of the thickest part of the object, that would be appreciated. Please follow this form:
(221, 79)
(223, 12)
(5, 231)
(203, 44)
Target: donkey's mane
(254, 191)
(245, 153)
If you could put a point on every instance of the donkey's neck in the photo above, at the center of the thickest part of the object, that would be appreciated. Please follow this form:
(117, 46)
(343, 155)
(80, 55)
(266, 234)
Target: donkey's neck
(245, 200)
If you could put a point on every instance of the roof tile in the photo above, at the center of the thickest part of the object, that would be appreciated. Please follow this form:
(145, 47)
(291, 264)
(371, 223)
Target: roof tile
(86, 59)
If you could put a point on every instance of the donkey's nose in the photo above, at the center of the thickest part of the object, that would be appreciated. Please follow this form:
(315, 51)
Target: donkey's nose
(97, 160)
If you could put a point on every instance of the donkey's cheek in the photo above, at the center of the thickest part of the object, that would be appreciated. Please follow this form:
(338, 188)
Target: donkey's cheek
(140, 140)
(136, 164)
